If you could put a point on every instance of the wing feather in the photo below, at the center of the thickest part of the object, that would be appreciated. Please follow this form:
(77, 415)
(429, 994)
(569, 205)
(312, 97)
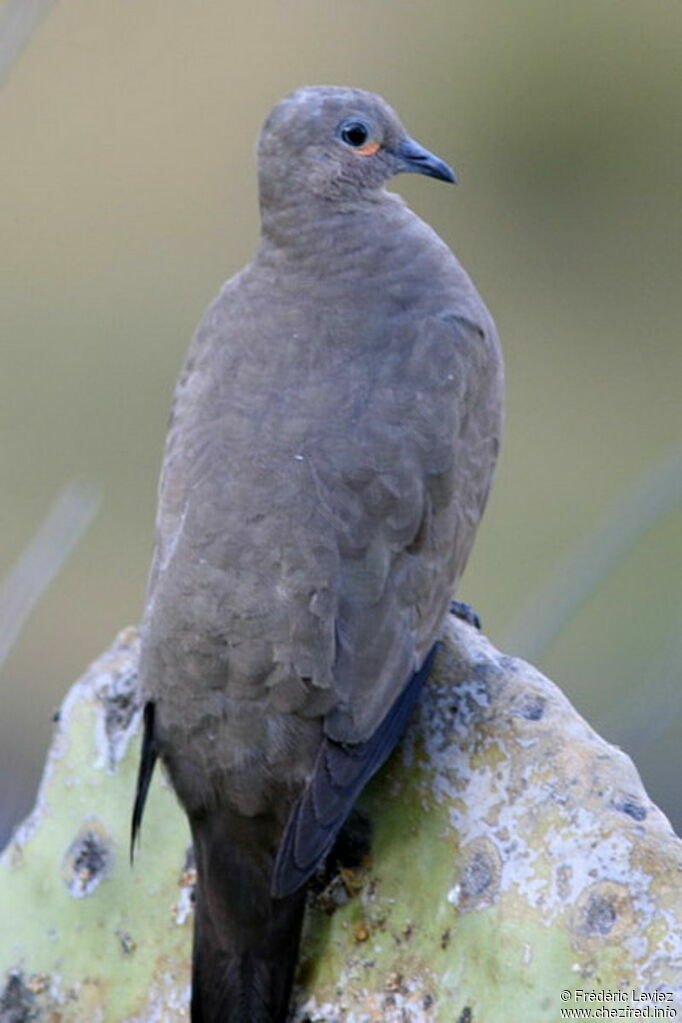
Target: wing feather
(341, 772)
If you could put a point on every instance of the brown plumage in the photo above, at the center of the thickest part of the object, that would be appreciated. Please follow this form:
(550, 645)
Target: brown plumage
(331, 447)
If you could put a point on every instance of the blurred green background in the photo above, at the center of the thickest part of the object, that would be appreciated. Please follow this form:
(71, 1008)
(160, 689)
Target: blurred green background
(128, 195)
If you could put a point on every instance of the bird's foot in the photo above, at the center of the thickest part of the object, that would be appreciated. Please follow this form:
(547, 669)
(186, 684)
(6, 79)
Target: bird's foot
(353, 842)
(340, 878)
(464, 611)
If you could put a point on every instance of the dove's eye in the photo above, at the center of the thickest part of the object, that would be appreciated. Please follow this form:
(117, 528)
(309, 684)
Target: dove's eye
(354, 133)
(358, 135)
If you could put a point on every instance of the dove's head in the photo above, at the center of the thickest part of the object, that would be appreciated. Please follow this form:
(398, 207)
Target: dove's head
(336, 144)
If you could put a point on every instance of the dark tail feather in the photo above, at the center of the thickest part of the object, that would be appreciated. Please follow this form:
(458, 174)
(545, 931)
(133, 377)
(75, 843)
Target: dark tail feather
(148, 757)
(245, 942)
(240, 987)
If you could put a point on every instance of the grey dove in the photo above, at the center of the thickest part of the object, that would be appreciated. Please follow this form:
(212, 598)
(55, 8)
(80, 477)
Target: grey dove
(332, 442)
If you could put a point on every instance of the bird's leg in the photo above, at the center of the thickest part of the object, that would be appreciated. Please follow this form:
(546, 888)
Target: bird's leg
(464, 611)
(353, 842)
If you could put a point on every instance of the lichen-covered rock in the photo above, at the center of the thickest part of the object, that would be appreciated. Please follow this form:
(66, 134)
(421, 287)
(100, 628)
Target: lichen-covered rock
(518, 870)
(83, 937)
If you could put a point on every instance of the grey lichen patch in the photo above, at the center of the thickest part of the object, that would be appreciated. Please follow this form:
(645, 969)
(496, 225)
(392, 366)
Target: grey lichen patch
(563, 876)
(600, 914)
(167, 1000)
(18, 1002)
(479, 878)
(630, 805)
(604, 910)
(88, 860)
(114, 679)
(399, 999)
(531, 706)
(472, 700)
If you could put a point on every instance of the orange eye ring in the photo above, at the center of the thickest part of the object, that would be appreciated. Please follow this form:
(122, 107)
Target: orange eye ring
(369, 148)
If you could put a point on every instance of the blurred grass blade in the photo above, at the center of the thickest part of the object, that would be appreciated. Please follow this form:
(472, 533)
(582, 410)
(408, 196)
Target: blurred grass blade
(62, 528)
(18, 21)
(657, 492)
(638, 720)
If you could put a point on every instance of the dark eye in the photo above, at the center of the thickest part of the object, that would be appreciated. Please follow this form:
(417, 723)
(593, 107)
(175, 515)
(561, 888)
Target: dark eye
(354, 133)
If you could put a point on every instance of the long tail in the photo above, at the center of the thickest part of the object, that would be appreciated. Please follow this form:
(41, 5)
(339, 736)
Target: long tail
(245, 942)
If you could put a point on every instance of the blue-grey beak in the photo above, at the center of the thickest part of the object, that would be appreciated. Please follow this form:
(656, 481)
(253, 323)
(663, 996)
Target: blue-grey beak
(414, 159)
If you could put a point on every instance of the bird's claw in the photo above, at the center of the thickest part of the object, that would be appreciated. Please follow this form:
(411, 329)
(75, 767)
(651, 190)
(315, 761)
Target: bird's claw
(466, 612)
